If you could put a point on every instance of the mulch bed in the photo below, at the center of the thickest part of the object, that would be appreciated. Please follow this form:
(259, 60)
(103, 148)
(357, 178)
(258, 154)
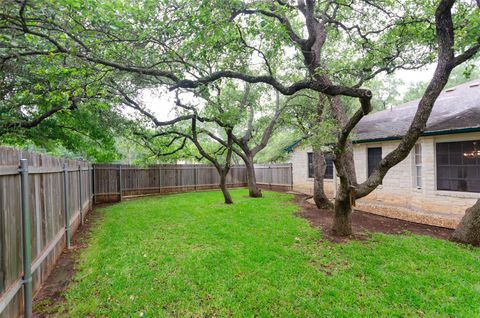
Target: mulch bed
(364, 223)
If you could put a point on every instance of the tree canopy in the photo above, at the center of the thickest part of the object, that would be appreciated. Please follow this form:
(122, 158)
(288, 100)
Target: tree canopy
(189, 44)
(68, 60)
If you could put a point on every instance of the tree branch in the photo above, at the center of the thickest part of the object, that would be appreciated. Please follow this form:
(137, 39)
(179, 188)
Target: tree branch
(446, 62)
(38, 120)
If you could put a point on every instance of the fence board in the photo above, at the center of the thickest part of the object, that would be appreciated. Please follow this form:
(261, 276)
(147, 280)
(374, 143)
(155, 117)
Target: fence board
(102, 183)
(45, 181)
(110, 185)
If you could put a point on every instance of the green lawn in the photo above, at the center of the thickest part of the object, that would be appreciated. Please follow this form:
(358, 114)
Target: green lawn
(190, 255)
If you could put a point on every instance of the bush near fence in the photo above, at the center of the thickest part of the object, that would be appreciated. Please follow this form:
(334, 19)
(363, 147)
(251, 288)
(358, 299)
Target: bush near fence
(56, 190)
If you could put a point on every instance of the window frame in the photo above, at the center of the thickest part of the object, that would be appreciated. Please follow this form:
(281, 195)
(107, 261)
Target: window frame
(449, 167)
(310, 168)
(328, 159)
(368, 158)
(310, 173)
(417, 157)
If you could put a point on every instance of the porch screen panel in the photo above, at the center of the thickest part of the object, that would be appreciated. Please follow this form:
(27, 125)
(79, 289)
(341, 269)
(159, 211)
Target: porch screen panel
(458, 166)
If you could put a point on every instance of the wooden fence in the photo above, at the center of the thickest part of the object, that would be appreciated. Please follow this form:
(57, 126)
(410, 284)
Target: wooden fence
(113, 182)
(47, 202)
(275, 177)
(43, 200)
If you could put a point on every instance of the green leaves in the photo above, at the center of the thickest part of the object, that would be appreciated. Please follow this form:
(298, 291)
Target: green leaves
(72, 49)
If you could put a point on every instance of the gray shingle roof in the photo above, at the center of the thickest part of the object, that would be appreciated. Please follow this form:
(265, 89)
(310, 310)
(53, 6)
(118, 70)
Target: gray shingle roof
(455, 109)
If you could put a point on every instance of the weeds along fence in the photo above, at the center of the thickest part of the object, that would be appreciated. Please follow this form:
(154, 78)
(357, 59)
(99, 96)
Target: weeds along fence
(42, 200)
(113, 182)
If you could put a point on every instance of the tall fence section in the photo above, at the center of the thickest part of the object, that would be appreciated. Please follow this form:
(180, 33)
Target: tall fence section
(44, 199)
(113, 182)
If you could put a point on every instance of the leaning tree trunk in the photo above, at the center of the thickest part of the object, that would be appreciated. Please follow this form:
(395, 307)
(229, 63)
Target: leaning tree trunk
(253, 189)
(319, 167)
(468, 231)
(223, 187)
(345, 166)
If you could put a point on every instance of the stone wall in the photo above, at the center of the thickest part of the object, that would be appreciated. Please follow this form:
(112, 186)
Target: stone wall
(398, 196)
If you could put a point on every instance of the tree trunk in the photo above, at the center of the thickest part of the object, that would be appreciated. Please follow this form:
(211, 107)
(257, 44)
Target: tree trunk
(319, 167)
(346, 157)
(253, 190)
(342, 219)
(223, 186)
(468, 231)
(344, 165)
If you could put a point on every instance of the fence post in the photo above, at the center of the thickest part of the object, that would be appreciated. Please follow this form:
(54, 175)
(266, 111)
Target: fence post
(195, 177)
(160, 179)
(80, 192)
(89, 184)
(271, 177)
(120, 181)
(93, 185)
(291, 176)
(66, 189)
(27, 256)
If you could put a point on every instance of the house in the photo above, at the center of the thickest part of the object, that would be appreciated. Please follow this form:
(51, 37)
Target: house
(438, 180)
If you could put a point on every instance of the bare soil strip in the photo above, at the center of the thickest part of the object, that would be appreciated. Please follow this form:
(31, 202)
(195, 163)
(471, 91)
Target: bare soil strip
(46, 301)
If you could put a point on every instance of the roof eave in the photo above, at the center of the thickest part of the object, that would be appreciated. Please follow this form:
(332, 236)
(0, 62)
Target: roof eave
(424, 134)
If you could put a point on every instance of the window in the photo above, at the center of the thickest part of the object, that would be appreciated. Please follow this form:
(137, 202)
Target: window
(374, 157)
(310, 164)
(418, 165)
(328, 169)
(458, 166)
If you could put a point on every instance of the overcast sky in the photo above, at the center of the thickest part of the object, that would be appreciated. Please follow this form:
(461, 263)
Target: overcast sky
(162, 102)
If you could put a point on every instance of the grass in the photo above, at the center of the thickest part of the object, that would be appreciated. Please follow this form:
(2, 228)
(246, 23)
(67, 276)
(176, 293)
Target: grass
(189, 255)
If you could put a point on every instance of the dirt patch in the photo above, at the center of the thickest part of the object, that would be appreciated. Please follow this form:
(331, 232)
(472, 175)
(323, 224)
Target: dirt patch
(363, 223)
(47, 301)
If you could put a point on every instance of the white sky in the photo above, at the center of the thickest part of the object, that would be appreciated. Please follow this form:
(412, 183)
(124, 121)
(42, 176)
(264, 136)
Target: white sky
(161, 102)
(414, 76)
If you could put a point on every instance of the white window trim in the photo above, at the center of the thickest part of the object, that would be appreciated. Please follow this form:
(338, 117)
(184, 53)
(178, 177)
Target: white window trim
(415, 165)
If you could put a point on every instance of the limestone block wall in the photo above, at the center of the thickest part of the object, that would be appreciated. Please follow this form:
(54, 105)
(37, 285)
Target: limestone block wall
(399, 196)
(299, 161)
(301, 181)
